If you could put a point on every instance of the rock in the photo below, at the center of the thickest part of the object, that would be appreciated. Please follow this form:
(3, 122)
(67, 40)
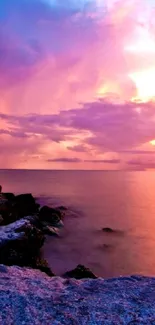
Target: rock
(42, 265)
(80, 272)
(51, 231)
(25, 205)
(62, 208)
(13, 208)
(31, 297)
(109, 230)
(9, 196)
(1, 220)
(50, 215)
(5, 209)
(20, 244)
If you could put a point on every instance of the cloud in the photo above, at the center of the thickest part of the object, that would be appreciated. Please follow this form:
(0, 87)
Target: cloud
(115, 127)
(65, 160)
(59, 97)
(104, 161)
(138, 152)
(79, 148)
(142, 164)
(78, 160)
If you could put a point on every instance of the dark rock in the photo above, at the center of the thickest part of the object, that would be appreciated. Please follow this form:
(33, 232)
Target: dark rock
(50, 215)
(80, 272)
(5, 210)
(25, 205)
(9, 196)
(51, 231)
(43, 266)
(20, 244)
(1, 220)
(109, 230)
(62, 208)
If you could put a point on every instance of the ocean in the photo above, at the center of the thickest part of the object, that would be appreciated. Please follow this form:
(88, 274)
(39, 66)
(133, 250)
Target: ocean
(121, 200)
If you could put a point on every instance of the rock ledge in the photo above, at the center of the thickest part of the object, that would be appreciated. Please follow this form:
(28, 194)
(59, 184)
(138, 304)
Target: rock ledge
(29, 296)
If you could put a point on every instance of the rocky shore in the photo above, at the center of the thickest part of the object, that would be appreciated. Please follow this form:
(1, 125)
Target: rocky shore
(31, 294)
(23, 229)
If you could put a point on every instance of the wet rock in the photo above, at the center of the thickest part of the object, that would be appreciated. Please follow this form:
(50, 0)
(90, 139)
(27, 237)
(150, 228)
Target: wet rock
(5, 209)
(1, 220)
(25, 205)
(80, 272)
(42, 265)
(108, 230)
(62, 208)
(20, 244)
(50, 215)
(9, 196)
(13, 208)
(51, 231)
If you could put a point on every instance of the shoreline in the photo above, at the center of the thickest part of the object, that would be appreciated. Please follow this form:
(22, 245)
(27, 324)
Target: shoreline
(30, 296)
(30, 293)
(24, 225)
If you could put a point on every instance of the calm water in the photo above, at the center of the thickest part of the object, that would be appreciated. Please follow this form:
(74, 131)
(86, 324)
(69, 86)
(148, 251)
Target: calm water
(122, 200)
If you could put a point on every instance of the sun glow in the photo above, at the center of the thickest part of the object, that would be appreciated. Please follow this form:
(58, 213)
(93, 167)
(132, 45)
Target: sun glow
(152, 142)
(143, 43)
(145, 84)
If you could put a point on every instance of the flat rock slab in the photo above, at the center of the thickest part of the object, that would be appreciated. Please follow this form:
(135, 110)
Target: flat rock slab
(31, 297)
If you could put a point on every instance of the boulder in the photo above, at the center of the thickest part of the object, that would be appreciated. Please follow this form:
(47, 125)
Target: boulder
(62, 208)
(109, 230)
(5, 210)
(13, 208)
(25, 205)
(9, 196)
(50, 215)
(20, 244)
(80, 272)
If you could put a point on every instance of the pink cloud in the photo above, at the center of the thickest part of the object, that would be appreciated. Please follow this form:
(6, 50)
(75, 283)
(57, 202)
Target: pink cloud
(65, 85)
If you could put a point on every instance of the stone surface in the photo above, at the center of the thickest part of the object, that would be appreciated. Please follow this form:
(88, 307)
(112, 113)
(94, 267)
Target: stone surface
(31, 297)
(20, 244)
(108, 230)
(80, 272)
(50, 215)
(51, 231)
(25, 205)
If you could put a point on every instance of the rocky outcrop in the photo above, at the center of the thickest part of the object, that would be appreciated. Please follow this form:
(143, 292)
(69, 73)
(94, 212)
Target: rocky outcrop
(81, 272)
(23, 226)
(31, 297)
(108, 230)
(20, 244)
(50, 215)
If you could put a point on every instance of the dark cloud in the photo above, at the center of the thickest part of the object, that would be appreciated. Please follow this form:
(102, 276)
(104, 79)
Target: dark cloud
(65, 160)
(142, 164)
(78, 160)
(79, 148)
(104, 161)
(138, 152)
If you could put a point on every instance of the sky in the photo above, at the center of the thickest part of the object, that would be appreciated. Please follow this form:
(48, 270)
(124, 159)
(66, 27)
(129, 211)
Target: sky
(77, 84)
